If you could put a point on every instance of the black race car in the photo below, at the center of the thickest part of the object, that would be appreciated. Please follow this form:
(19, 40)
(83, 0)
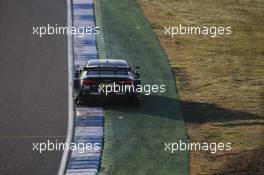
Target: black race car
(106, 78)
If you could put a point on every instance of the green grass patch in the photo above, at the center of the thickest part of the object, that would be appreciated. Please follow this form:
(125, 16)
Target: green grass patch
(135, 135)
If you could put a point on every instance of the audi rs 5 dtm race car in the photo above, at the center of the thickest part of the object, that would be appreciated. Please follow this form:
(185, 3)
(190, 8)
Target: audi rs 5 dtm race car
(106, 77)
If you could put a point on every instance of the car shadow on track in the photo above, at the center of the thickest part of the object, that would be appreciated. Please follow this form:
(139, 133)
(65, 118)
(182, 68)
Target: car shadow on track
(172, 108)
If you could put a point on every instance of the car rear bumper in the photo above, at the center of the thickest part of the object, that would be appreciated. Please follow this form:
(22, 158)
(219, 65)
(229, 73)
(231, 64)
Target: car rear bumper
(93, 93)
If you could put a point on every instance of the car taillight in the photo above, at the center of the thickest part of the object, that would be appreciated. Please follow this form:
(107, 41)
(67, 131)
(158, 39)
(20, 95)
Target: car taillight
(88, 82)
(126, 82)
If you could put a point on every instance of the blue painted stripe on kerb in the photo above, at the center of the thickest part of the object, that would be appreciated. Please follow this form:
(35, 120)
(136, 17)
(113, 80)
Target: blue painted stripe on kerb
(86, 158)
(91, 116)
(84, 17)
(84, 166)
(86, 56)
(83, 6)
(88, 42)
(82, 162)
(89, 122)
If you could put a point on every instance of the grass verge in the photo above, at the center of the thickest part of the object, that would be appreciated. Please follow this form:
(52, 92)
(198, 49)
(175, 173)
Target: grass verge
(135, 135)
(220, 80)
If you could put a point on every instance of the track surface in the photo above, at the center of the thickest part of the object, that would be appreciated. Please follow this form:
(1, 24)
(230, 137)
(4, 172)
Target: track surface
(34, 92)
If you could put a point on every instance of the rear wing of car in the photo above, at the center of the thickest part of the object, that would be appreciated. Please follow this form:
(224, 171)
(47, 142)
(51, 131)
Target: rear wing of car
(107, 68)
(100, 69)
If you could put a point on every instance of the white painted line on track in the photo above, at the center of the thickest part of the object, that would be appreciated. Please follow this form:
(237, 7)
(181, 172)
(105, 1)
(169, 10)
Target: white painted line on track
(70, 91)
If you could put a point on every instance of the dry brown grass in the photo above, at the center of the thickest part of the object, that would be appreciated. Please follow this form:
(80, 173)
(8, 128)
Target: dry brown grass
(220, 80)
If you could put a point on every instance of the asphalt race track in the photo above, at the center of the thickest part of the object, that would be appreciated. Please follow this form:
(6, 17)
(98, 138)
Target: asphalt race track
(34, 91)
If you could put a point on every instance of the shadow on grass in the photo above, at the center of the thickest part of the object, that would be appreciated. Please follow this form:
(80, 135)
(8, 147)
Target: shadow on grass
(193, 112)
